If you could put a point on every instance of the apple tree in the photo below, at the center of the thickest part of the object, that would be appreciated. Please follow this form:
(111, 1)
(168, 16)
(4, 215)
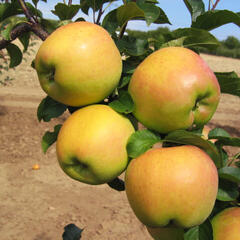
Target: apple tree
(21, 20)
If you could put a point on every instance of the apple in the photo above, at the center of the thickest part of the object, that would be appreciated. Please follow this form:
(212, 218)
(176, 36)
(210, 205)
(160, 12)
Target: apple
(166, 233)
(78, 64)
(226, 224)
(172, 186)
(173, 88)
(91, 144)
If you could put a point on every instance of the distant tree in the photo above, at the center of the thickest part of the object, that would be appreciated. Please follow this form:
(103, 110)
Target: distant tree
(232, 42)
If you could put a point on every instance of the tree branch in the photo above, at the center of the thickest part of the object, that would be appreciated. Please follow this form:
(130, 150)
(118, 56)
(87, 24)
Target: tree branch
(16, 32)
(100, 13)
(27, 13)
(215, 5)
(23, 28)
(122, 30)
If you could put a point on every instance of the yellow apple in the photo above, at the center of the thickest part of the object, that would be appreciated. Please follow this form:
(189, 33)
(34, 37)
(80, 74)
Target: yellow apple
(226, 224)
(91, 144)
(173, 88)
(174, 186)
(78, 64)
(166, 233)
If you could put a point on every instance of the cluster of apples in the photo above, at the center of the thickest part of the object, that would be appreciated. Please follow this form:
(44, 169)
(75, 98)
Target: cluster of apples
(169, 189)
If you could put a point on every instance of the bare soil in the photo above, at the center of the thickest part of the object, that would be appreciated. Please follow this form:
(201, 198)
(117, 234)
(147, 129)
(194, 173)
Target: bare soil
(37, 204)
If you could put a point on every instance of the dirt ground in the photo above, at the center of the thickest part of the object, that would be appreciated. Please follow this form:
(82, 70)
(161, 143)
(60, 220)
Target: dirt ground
(37, 204)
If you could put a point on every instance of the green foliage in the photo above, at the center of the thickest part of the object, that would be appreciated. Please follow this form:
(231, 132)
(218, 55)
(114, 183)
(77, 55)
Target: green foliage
(15, 55)
(201, 232)
(65, 12)
(229, 82)
(135, 46)
(191, 138)
(123, 104)
(227, 191)
(49, 108)
(195, 7)
(140, 142)
(50, 137)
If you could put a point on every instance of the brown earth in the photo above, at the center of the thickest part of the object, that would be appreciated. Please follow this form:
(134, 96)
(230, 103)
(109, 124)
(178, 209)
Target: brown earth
(37, 204)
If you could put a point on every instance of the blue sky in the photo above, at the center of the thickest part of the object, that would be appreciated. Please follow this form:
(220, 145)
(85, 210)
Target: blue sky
(176, 12)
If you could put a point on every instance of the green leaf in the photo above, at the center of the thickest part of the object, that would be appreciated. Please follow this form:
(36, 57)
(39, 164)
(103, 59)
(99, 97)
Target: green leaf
(49, 109)
(185, 137)
(217, 132)
(230, 173)
(229, 82)
(15, 55)
(201, 232)
(132, 46)
(124, 103)
(50, 137)
(140, 141)
(223, 153)
(110, 22)
(72, 232)
(9, 9)
(140, 11)
(192, 234)
(214, 19)
(223, 138)
(179, 42)
(65, 12)
(128, 12)
(196, 38)
(124, 81)
(227, 191)
(191, 38)
(205, 231)
(195, 7)
(24, 39)
(49, 24)
(8, 25)
(151, 12)
(129, 66)
(94, 4)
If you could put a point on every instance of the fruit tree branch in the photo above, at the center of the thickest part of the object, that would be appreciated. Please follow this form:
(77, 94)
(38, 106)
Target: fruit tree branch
(16, 32)
(27, 13)
(31, 26)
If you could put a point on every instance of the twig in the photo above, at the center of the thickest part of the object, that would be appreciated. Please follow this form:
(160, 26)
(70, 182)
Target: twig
(215, 5)
(16, 32)
(100, 13)
(31, 26)
(122, 30)
(27, 13)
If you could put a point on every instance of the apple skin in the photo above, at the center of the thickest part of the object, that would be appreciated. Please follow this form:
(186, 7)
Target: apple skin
(78, 64)
(173, 88)
(166, 233)
(173, 185)
(91, 144)
(226, 224)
